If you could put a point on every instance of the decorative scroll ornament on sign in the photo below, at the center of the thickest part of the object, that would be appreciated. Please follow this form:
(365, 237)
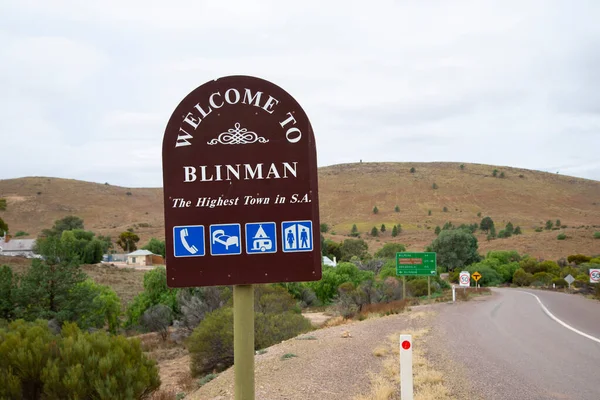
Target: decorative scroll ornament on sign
(238, 135)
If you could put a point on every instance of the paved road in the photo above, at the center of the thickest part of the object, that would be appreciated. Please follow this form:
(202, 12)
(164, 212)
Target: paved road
(511, 349)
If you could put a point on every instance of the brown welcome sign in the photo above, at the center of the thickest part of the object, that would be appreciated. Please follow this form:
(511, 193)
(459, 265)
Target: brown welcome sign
(240, 187)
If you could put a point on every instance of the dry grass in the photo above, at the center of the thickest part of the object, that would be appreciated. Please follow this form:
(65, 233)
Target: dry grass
(347, 194)
(393, 307)
(428, 383)
(336, 321)
(163, 395)
(380, 351)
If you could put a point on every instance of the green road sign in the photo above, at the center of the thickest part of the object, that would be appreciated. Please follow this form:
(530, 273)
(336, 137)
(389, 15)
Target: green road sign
(411, 264)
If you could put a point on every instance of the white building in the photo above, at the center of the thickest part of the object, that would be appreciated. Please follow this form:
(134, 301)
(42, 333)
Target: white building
(16, 247)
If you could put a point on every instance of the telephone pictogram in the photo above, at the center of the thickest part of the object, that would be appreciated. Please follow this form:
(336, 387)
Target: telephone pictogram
(183, 234)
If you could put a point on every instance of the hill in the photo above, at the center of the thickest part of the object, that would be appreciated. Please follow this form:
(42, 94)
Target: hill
(348, 194)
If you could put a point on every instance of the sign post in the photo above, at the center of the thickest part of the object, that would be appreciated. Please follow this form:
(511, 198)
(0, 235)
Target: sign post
(240, 198)
(569, 278)
(476, 277)
(416, 264)
(594, 275)
(464, 279)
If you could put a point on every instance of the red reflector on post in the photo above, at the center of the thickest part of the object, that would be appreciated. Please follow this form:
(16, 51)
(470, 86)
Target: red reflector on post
(406, 345)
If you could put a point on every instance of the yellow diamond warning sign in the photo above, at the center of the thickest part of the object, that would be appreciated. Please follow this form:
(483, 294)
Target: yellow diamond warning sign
(476, 276)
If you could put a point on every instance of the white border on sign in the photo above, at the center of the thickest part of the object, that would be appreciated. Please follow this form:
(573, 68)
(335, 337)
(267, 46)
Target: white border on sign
(274, 239)
(211, 244)
(312, 236)
(203, 240)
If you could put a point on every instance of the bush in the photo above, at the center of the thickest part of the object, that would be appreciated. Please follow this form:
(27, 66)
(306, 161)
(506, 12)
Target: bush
(544, 278)
(560, 282)
(389, 250)
(324, 228)
(155, 292)
(445, 209)
(21, 233)
(36, 364)
(417, 287)
(434, 186)
(596, 235)
(561, 236)
(412, 170)
(374, 231)
(539, 229)
(517, 231)
(158, 318)
(353, 247)
(522, 278)
(578, 259)
(396, 209)
(375, 210)
(211, 344)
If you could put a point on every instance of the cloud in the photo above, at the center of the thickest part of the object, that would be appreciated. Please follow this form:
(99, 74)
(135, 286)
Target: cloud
(508, 83)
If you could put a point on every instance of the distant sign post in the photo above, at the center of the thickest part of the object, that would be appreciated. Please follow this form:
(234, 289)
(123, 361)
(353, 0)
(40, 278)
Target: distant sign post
(240, 198)
(464, 279)
(569, 278)
(416, 264)
(594, 275)
(476, 277)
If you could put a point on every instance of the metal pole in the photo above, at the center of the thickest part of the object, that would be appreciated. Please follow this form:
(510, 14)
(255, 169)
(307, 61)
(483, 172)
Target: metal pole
(429, 287)
(243, 341)
(403, 287)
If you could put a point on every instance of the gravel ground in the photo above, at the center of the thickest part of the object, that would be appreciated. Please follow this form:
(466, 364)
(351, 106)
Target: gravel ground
(330, 367)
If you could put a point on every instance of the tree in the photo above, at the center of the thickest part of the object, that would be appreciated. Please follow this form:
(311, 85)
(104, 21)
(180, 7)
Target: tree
(434, 186)
(455, 248)
(324, 228)
(509, 228)
(437, 230)
(353, 247)
(2, 204)
(486, 224)
(397, 209)
(127, 241)
(382, 228)
(374, 231)
(502, 174)
(375, 210)
(399, 229)
(557, 224)
(8, 293)
(158, 318)
(493, 231)
(549, 225)
(354, 231)
(429, 212)
(462, 166)
(394, 231)
(46, 289)
(68, 223)
(412, 170)
(3, 227)
(445, 209)
(156, 246)
(389, 250)
(517, 230)
(495, 173)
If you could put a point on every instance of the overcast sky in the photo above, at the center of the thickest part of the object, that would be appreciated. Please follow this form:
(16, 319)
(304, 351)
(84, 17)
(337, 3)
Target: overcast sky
(87, 87)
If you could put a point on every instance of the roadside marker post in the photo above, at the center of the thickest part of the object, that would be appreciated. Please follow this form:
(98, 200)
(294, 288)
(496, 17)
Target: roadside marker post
(406, 373)
(454, 293)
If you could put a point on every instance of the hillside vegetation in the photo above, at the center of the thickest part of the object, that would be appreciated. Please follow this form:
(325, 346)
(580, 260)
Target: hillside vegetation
(348, 194)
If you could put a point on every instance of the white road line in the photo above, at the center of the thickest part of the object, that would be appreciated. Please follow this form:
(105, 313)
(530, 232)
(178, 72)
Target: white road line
(595, 339)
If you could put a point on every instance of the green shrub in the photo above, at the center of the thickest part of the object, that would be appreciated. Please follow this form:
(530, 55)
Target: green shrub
(522, 278)
(412, 170)
(396, 209)
(561, 236)
(417, 287)
(353, 247)
(375, 210)
(333, 277)
(324, 228)
(211, 343)
(578, 258)
(21, 233)
(539, 229)
(155, 292)
(2, 204)
(389, 250)
(517, 230)
(596, 235)
(374, 231)
(434, 186)
(543, 277)
(560, 282)
(37, 364)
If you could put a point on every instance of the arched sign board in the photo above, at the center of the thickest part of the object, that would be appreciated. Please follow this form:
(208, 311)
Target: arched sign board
(240, 187)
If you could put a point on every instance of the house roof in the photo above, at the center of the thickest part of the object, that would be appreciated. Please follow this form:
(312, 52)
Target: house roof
(17, 245)
(140, 253)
